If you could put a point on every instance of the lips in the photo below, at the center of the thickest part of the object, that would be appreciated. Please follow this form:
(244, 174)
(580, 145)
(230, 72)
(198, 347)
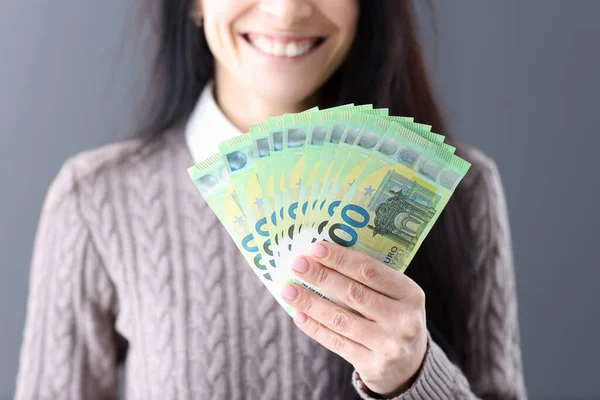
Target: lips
(283, 46)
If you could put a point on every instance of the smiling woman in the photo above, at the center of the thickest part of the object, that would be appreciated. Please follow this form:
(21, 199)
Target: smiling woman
(131, 266)
(274, 52)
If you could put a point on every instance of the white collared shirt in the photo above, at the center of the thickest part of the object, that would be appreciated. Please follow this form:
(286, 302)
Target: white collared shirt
(207, 126)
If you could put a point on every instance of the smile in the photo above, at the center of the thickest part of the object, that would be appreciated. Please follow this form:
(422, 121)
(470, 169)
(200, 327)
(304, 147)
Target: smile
(280, 46)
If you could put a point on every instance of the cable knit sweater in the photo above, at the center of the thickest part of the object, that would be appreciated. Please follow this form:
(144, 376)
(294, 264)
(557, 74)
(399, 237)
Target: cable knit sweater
(127, 251)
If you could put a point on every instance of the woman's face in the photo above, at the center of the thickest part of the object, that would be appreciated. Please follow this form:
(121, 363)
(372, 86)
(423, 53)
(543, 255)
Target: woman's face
(279, 50)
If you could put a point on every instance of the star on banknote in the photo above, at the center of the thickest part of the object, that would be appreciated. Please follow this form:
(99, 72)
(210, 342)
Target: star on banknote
(259, 202)
(369, 190)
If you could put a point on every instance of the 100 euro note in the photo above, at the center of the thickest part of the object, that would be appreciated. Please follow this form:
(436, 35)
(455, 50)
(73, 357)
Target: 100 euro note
(212, 180)
(318, 133)
(358, 147)
(336, 149)
(359, 135)
(293, 180)
(338, 122)
(312, 153)
(343, 149)
(294, 143)
(331, 151)
(239, 156)
(325, 119)
(240, 159)
(371, 134)
(335, 122)
(398, 196)
(259, 134)
(270, 172)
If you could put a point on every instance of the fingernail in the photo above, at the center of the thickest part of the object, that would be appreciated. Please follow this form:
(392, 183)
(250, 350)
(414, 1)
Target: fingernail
(299, 317)
(289, 292)
(318, 250)
(300, 265)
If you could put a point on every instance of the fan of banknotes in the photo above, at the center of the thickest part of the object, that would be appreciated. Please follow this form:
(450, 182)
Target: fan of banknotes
(352, 175)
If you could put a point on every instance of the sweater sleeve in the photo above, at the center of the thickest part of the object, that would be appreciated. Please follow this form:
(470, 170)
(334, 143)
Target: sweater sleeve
(69, 347)
(493, 361)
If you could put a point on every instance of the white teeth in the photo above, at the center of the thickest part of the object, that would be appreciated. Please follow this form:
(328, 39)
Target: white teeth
(266, 45)
(279, 48)
(291, 50)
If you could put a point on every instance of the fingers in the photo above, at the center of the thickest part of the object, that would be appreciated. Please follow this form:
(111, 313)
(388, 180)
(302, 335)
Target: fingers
(368, 302)
(332, 323)
(349, 350)
(366, 270)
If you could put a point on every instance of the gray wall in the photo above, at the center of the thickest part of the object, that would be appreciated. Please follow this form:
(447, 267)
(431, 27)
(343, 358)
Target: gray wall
(521, 80)
(518, 80)
(66, 84)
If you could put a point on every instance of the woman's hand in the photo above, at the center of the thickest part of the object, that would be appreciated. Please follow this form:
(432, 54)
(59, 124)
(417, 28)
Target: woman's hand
(386, 339)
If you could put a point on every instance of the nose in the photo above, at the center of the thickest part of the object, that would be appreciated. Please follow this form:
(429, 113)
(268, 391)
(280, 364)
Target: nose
(287, 11)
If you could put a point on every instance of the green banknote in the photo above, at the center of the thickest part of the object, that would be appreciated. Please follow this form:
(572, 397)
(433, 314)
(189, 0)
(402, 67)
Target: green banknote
(350, 174)
(343, 150)
(348, 144)
(277, 128)
(368, 138)
(396, 197)
(312, 154)
(240, 159)
(354, 147)
(212, 180)
(338, 124)
(259, 135)
(322, 127)
(336, 149)
(295, 143)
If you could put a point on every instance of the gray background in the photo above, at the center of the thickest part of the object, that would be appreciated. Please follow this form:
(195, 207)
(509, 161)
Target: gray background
(517, 79)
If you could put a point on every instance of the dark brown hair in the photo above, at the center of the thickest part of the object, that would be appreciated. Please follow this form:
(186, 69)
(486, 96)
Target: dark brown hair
(384, 67)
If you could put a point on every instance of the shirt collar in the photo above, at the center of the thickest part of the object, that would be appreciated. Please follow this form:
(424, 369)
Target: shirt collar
(207, 126)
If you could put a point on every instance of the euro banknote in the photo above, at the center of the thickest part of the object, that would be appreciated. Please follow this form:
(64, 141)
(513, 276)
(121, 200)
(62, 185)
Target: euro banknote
(352, 175)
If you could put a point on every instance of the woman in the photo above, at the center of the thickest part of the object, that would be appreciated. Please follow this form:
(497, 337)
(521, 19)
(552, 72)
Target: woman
(131, 265)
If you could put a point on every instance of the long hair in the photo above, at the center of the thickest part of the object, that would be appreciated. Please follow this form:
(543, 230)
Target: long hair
(384, 67)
